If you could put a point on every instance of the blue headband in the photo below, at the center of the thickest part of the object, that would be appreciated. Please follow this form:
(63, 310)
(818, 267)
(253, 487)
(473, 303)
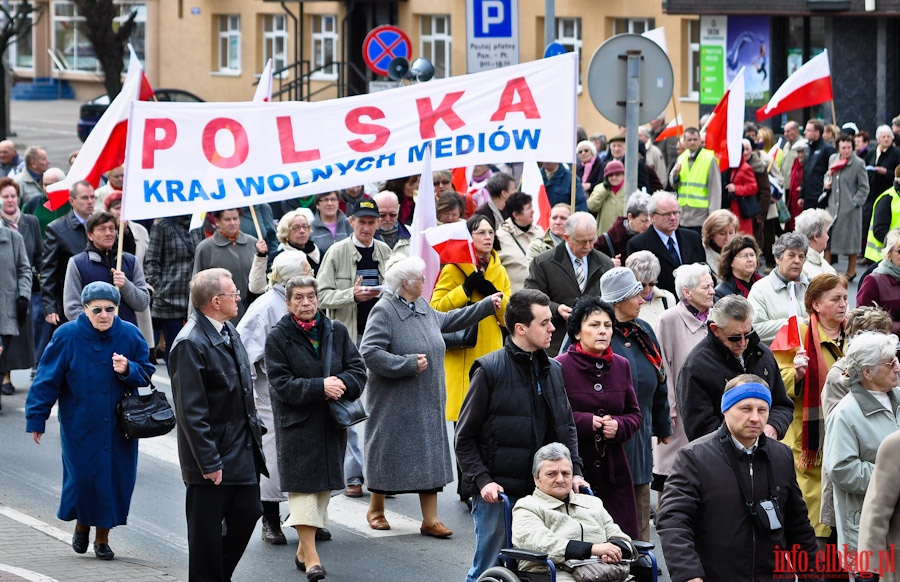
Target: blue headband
(749, 390)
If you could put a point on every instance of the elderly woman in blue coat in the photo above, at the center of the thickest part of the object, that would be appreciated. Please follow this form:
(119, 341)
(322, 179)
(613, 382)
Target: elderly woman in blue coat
(87, 368)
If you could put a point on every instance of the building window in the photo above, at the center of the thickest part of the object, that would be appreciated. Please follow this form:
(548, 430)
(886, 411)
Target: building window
(692, 56)
(229, 45)
(324, 47)
(275, 40)
(568, 34)
(632, 25)
(21, 50)
(73, 50)
(434, 34)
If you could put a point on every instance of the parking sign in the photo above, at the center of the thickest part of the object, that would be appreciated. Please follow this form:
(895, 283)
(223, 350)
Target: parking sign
(492, 34)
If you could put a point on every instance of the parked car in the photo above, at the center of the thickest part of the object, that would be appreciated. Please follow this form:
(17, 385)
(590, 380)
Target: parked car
(91, 111)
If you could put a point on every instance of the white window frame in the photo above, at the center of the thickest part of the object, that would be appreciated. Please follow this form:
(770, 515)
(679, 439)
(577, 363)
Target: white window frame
(228, 28)
(275, 35)
(74, 21)
(572, 42)
(693, 55)
(430, 38)
(320, 38)
(630, 23)
(13, 51)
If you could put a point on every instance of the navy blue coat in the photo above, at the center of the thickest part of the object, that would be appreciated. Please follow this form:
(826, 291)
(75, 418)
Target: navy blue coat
(99, 464)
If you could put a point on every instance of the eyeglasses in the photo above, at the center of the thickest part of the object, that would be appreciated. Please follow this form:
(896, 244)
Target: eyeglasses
(891, 363)
(235, 294)
(739, 338)
(746, 255)
(442, 182)
(582, 242)
(300, 228)
(99, 310)
(668, 214)
(389, 214)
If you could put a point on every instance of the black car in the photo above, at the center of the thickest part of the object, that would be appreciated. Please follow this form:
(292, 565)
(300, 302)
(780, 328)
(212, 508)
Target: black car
(91, 111)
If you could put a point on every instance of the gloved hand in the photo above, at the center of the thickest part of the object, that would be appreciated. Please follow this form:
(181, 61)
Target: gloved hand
(472, 282)
(22, 310)
(485, 287)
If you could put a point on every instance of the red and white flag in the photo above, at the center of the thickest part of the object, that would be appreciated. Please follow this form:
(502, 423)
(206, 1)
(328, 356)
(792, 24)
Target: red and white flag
(452, 242)
(104, 149)
(725, 128)
(424, 220)
(788, 337)
(809, 85)
(533, 185)
(673, 129)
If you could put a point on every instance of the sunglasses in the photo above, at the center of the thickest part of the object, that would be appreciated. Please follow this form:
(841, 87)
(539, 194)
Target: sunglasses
(737, 338)
(442, 182)
(99, 310)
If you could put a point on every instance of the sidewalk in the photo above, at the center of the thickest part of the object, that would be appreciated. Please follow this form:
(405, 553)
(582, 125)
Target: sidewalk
(38, 552)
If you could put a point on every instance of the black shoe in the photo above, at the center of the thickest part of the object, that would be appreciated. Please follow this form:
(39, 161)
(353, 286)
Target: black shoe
(315, 573)
(300, 565)
(103, 551)
(7, 389)
(322, 535)
(80, 541)
(271, 531)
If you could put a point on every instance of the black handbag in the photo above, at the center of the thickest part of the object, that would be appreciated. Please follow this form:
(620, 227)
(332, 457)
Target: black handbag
(749, 206)
(145, 416)
(345, 413)
(461, 339)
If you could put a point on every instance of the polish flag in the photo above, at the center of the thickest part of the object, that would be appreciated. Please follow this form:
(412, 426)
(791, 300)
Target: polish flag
(104, 149)
(460, 180)
(425, 220)
(452, 242)
(533, 185)
(725, 128)
(263, 94)
(673, 129)
(788, 337)
(809, 85)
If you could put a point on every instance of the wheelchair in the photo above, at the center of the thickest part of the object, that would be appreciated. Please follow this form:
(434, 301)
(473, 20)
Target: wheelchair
(643, 567)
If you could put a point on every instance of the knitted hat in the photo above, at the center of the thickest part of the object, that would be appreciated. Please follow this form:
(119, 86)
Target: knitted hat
(99, 290)
(619, 284)
(614, 167)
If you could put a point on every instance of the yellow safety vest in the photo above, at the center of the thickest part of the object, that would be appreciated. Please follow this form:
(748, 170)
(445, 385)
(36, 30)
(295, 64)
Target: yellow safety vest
(874, 247)
(693, 186)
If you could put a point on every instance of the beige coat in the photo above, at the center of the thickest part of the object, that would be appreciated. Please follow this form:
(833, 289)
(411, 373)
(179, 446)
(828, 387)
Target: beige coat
(879, 526)
(678, 332)
(546, 524)
(514, 244)
(607, 205)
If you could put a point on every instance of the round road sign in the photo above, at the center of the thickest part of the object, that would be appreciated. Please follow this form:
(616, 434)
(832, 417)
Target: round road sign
(607, 78)
(382, 45)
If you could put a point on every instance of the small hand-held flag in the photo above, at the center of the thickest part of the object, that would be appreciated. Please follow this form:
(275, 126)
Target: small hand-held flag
(452, 242)
(424, 219)
(788, 337)
(725, 129)
(673, 129)
(533, 185)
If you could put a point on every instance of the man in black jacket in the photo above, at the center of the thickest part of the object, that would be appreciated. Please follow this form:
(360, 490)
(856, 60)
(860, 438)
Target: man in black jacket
(219, 433)
(515, 405)
(731, 348)
(65, 237)
(815, 166)
(732, 509)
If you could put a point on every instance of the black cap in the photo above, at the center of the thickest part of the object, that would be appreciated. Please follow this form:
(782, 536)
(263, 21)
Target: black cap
(365, 207)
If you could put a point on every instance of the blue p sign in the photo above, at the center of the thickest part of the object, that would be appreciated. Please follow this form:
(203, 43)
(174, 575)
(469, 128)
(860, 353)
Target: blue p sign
(493, 18)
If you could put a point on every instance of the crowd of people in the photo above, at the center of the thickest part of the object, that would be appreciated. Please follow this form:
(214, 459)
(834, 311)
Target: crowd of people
(648, 338)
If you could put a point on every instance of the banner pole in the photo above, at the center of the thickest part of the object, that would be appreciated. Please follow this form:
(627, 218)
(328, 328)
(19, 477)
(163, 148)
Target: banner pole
(259, 235)
(572, 189)
(121, 242)
(833, 114)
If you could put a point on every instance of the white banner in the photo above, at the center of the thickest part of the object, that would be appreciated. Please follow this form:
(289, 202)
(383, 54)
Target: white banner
(187, 157)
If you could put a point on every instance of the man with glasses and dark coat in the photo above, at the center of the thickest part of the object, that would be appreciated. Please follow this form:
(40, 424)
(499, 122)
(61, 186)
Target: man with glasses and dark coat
(730, 349)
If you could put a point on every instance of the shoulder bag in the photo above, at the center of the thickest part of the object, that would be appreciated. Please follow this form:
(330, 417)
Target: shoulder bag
(145, 416)
(345, 413)
(461, 339)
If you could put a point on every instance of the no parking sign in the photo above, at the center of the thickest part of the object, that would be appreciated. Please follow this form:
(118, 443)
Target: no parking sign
(382, 45)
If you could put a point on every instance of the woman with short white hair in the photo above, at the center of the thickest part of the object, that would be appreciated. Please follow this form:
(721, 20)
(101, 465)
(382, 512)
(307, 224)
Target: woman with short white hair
(858, 425)
(405, 393)
(646, 270)
(814, 224)
(588, 167)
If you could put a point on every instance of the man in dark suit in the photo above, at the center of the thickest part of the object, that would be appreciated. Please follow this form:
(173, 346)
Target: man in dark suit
(65, 237)
(673, 246)
(568, 271)
(219, 432)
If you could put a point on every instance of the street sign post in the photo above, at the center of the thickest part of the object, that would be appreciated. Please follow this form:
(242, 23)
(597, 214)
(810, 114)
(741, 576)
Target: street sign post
(382, 45)
(492, 34)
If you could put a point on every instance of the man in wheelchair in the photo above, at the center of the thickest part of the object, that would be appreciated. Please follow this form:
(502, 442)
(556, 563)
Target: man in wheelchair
(567, 527)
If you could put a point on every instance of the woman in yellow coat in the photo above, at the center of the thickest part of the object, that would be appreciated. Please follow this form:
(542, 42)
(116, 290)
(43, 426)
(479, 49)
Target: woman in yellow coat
(460, 284)
(804, 370)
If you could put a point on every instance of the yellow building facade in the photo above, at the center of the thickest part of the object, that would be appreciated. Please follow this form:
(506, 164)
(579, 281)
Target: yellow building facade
(217, 48)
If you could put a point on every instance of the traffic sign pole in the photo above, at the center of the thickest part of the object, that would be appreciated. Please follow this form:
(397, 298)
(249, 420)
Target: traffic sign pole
(632, 108)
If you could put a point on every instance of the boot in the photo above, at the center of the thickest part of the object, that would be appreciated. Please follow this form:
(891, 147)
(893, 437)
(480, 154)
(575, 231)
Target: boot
(271, 531)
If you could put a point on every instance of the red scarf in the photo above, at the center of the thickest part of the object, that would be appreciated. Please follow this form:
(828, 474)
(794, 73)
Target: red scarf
(812, 428)
(615, 189)
(838, 165)
(606, 356)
